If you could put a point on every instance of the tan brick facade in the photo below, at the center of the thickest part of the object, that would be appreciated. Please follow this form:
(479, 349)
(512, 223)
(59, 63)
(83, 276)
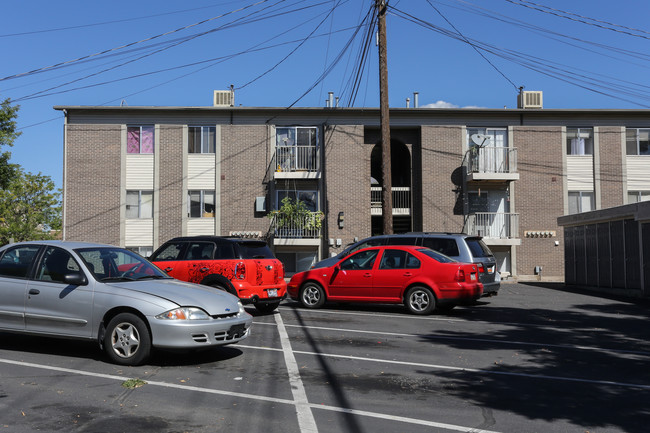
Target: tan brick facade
(92, 190)
(611, 160)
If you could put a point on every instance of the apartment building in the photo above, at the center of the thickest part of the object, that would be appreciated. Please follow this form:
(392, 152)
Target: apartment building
(137, 176)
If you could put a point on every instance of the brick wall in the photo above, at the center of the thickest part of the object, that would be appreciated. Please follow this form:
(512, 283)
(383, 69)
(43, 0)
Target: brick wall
(171, 182)
(611, 166)
(92, 184)
(539, 198)
(347, 182)
(442, 159)
(245, 159)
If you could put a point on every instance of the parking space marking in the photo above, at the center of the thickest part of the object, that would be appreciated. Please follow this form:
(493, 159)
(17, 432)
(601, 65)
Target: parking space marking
(308, 406)
(306, 419)
(464, 369)
(479, 340)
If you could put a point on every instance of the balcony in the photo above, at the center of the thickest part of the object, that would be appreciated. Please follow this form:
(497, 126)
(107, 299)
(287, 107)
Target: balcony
(296, 162)
(291, 230)
(492, 163)
(496, 228)
(401, 200)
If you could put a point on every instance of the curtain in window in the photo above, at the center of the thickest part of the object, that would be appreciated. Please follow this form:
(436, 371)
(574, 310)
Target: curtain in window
(133, 140)
(577, 146)
(146, 141)
(146, 204)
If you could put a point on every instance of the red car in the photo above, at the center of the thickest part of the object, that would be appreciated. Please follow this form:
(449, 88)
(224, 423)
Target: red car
(419, 278)
(244, 267)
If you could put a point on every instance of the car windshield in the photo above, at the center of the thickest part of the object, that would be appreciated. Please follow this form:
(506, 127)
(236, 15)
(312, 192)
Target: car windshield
(255, 250)
(435, 255)
(117, 264)
(478, 248)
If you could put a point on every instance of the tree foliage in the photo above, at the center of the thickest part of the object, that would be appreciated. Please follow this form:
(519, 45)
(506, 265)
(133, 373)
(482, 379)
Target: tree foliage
(8, 134)
(30, 205)
(30, 208)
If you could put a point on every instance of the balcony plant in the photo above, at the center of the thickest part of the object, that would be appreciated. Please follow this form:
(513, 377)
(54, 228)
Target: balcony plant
(293, 219)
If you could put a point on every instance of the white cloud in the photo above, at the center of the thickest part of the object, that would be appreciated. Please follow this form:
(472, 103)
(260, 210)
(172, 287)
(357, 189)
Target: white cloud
(445, 104)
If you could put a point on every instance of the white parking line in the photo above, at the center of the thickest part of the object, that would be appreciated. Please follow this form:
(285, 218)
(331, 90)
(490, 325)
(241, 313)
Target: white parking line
(305, 416)
(308, 406)
(452, 368)
(480, 340)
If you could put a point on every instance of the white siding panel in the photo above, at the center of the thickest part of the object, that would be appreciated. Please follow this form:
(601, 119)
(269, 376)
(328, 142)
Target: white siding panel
(638, 173)
(580, 173)
(201, 171)
(200, 226)
(139, 232)
(139, 172)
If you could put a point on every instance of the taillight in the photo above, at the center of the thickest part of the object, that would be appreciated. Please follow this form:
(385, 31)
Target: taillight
(460, 275)
(481, 269)
(240, 271)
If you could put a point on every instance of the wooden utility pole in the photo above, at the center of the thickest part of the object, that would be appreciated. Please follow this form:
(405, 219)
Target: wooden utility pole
(386, 190)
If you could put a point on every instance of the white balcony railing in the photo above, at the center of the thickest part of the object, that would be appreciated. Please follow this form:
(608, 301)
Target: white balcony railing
(296, 158)
(401, 200)
(493, 225)
(492, 159)
(291, 227)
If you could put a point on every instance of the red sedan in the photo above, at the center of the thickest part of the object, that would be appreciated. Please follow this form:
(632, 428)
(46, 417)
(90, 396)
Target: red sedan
(419, 278)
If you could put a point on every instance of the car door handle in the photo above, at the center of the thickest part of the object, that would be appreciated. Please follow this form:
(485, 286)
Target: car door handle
(34, 291)
(367, 275)
(204, 269)
(168, 269)
(408, 274)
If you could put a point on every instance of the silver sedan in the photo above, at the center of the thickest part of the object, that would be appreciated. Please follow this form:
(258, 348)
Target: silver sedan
(114, 296)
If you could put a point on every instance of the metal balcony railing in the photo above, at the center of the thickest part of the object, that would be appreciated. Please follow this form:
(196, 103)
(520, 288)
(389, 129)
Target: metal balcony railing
(492, 159)
(296, 158)
(401, 200)
(493, 225)
(297, 227)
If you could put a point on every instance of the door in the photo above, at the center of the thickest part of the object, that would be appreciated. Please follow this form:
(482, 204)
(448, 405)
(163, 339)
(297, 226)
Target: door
(53, 306)
(396, 269)
(15, 266)
(169, 259)
(353, 277)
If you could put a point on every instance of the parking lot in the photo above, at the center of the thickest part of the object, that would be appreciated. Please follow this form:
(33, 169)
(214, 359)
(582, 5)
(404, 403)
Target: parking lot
(533, 359)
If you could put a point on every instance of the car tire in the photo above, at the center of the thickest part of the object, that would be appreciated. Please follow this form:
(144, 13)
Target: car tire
(420, 300)
(267, 308)
(312, 295)
(127, 340)
(223, 287)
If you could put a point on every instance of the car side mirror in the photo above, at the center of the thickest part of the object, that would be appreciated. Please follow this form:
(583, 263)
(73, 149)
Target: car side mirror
(75, 279)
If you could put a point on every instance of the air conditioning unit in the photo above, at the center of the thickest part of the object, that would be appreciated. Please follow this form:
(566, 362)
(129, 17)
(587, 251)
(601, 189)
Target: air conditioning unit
(532, 99)
(224, 98)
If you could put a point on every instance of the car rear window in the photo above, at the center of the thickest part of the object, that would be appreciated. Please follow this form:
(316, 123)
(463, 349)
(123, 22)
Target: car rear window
(478, 248)
(435, 255)
(446, 246)
(255, 250)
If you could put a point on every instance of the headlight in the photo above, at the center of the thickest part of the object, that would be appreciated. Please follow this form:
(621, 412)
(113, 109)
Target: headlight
(184, 313)
(241, 307)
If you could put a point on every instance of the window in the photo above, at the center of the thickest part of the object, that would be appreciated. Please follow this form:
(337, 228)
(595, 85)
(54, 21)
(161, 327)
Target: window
(297, 262)
(200, 204)
(143, 251)
(310, 198)
(360, 261)
(171, 252)
(487, 137)
(398, 259)
(139, 139)
(139, 204)
(637, 141)
(55, 265)
(446, 246)
(296, 148)
(637, 196)
(580, 201)
(201, 139)
(16, 261)
(579, 141)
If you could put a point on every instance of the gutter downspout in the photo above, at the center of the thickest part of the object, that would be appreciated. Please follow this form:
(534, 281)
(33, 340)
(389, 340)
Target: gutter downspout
(65, 183)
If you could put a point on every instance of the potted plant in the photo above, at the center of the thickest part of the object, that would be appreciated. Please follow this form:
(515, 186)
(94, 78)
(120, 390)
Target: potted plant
(293, 218)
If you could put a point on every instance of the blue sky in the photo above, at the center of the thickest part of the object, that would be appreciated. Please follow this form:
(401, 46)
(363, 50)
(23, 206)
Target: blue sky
(588, 54)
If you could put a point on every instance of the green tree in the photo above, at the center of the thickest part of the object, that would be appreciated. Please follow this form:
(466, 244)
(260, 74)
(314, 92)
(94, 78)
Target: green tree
(30, 208)
(8, 134)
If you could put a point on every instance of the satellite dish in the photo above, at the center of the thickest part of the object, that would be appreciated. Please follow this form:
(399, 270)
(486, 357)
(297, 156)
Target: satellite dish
(481, 139)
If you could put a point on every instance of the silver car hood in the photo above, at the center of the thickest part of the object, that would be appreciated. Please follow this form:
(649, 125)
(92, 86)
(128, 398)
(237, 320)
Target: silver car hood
(213, 301)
